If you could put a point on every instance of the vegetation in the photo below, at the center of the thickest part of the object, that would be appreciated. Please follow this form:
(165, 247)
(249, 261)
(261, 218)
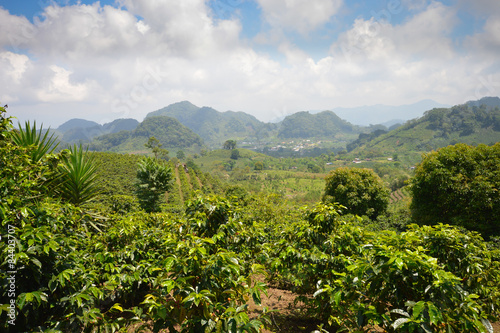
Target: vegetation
(76, 177)
(204, 259)
(323, 124)
(154, 179)
(360, 190)
(459, 185)
(168, 131)
(438, 128)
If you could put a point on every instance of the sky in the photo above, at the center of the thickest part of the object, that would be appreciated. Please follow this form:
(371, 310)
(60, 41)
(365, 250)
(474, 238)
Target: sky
(63, 59)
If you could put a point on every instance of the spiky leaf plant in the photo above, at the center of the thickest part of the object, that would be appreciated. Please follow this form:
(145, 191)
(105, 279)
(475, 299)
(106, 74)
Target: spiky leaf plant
(30, 136)
(77, 181)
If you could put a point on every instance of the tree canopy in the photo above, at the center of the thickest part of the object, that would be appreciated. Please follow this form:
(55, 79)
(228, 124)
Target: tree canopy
(459, 185)
(360, 190)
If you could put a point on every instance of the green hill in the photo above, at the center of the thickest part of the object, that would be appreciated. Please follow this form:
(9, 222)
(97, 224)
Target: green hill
(467, 123)
(216, 127)
(81, 130)
(169, 131)
(305, 125)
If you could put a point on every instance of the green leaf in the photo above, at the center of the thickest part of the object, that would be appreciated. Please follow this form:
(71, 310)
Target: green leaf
(399, 322)
(401, 312)
(417, 309)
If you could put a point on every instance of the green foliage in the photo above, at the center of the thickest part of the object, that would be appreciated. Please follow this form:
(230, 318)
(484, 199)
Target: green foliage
(196, 269)
(323, 124)
(360, 190)
(76, 180)
(180, 155)
(155, 146)
(230, 144)
(397, 284)
(235, 154)
(216, 127)
(466, 123)
(153, 180)
(459, 185)
(30, 136)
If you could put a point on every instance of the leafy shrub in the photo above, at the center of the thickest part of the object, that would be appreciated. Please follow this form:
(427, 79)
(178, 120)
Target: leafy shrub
(360, 190)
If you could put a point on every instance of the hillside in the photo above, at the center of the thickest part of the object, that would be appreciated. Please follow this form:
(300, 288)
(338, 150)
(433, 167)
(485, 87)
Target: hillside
(467, 123)
(305, 125)
(169, 131)
(81, 130)
(213, 126)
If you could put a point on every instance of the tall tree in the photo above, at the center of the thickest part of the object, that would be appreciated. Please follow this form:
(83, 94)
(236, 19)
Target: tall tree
(156, 147)
(230, 144)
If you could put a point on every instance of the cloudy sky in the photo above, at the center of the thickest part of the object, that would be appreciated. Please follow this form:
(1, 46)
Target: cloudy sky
(111, 59)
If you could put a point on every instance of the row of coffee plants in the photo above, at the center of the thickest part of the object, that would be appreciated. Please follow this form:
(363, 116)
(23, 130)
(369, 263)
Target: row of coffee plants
(426, 279)
(65, 268)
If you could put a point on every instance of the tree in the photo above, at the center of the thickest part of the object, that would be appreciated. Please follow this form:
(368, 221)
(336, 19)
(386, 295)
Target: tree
(230, 144)
(180, 155)
(153, 180)
(235, 154)
(155, 145)
(459, 185)
(259, 166)
(360, 190)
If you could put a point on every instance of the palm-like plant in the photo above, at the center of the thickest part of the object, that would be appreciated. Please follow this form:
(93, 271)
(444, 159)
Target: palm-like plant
(30, 136)
(77, 179)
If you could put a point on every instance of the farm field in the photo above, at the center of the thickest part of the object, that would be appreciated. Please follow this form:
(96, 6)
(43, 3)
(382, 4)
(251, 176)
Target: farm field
(106, 242)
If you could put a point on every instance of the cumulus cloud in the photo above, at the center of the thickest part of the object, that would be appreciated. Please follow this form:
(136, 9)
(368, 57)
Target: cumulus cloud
(105, 62)
(297, 15)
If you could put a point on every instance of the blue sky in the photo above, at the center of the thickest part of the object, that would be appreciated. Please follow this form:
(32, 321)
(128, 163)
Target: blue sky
(122, 59)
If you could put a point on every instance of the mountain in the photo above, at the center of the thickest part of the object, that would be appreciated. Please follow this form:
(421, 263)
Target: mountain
(118, 125)
(471, 123)
(380, 114)
(490, 102)
(305, 125)
(169, 131)
(81, 130)
(77, 123)
(213, 126)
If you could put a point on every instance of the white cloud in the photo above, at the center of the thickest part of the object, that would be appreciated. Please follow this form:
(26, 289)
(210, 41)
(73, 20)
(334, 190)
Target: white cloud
(487, 42)
(104, 63)
(61, 89)
(298, 15)
(14, 66)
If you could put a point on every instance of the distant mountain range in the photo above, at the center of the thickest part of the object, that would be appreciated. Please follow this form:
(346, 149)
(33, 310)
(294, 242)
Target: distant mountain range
(169, 131)
(216, 127)
(182, 125)
(77, 130)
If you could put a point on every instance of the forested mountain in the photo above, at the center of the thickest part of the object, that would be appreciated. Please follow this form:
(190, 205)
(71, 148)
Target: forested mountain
(215, 127)
(81, 130)
(169, 131)
(471, 123)
(305, 125)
